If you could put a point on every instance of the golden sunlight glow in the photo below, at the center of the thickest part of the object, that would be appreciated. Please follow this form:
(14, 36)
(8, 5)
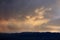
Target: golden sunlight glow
(27, 17)
(30, 22)
(53, 27)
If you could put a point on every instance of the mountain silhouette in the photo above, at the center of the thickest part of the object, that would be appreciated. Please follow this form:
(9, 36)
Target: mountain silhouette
(29, 36)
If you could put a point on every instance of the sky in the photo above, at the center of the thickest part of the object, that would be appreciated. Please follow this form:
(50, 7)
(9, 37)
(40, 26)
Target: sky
(29, 16)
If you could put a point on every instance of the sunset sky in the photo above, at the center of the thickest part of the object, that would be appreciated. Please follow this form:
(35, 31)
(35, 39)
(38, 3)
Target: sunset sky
(29, 16)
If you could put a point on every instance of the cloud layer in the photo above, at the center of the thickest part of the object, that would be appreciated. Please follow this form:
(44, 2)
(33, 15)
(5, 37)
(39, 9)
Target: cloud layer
(29, 16)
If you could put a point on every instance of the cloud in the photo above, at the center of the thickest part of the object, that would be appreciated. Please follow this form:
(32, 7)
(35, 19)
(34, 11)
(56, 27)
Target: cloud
(13, 8)
(29, 24)
(29, 16)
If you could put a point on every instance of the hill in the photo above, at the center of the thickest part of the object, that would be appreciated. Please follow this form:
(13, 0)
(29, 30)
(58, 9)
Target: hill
(29, 36)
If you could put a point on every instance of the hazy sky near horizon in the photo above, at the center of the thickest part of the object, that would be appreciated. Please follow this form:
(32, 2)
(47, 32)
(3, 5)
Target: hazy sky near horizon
(29, 16)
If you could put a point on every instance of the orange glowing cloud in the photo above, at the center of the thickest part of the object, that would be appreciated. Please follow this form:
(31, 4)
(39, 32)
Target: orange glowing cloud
(29, 24)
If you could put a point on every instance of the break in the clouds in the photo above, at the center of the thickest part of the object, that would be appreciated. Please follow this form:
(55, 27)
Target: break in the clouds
(29, 16)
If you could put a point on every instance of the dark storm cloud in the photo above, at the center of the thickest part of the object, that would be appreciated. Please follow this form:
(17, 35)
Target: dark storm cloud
(12, 8)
